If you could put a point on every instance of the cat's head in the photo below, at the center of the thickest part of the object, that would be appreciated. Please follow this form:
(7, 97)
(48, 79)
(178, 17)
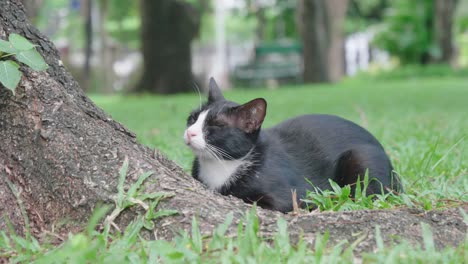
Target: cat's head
(224, 129)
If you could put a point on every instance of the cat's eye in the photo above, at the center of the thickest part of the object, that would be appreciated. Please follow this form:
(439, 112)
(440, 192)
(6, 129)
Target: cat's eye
(192, 118)
(217, 124)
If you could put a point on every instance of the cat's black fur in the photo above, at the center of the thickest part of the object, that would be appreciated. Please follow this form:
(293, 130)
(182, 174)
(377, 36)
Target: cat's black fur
(312, 147)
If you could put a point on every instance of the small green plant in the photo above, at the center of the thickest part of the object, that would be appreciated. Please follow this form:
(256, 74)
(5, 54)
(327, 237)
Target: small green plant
(405, 252)
(339, 198)
(135, 196)
(94, 244)
(246, 245)
(25, 52)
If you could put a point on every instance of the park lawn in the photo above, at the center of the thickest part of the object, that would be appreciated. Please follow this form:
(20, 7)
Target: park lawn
(422, 123)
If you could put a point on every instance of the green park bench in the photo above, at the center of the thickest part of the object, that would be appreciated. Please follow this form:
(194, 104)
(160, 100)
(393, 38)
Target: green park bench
(276, 62)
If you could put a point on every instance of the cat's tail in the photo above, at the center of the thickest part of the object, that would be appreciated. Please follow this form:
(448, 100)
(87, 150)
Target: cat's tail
(354, 163)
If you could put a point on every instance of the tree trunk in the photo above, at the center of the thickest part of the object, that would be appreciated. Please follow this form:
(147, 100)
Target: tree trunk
(321, 25)
(106, 50)
(32, 8)
(167, 29)
(443, 28)
(60, 156)
(88, 32)
(261, 24)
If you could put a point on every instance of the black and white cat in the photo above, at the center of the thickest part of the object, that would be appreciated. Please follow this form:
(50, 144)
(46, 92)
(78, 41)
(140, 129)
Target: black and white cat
(234, 156)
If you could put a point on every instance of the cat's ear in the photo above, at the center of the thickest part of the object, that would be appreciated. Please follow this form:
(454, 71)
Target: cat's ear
(250, 116)
(214, 93)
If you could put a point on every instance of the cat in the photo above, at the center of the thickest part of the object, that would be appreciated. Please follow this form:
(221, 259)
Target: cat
(234, 156)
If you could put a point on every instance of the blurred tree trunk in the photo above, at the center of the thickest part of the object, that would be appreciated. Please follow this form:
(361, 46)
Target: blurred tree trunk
(88, 30)
(60, 155)
(321, 25)
(167, 29)
(32, 8)
(443, 28)
(261, 23)
(106, 51)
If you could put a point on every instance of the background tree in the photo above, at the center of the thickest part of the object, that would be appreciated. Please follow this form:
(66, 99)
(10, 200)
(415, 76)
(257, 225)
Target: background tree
(106, 49)
(88, 47)
(32, 8)
(362, 14)
(444, 11)
(418, 31)
(167, 29)
(321, 23)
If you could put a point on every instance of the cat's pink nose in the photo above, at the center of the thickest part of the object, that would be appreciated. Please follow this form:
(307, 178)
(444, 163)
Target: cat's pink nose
(190, 135)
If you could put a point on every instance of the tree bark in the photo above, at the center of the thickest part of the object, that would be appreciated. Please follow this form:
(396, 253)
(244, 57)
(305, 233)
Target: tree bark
(167, 29)
(444, 11)
(60, 155)
(321, 25)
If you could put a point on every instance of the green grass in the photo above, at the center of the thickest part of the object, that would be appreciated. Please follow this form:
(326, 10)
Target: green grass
(245, 246)
(422, 123)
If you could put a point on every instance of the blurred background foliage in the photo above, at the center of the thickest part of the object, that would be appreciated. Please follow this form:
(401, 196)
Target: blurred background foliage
(249, 42)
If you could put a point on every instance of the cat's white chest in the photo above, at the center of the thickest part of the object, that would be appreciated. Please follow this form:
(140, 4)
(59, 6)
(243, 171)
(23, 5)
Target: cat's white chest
(217, 173)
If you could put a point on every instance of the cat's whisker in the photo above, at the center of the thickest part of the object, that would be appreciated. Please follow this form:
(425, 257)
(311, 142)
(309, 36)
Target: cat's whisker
(220, 151)
(225, 154)
(214, 152)
(211, 152)
(197, 89)
(221, 109)
(213, 148)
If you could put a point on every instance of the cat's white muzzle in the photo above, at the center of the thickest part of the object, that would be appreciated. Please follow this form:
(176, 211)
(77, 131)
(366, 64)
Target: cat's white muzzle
(193, 135)
(195, 141)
